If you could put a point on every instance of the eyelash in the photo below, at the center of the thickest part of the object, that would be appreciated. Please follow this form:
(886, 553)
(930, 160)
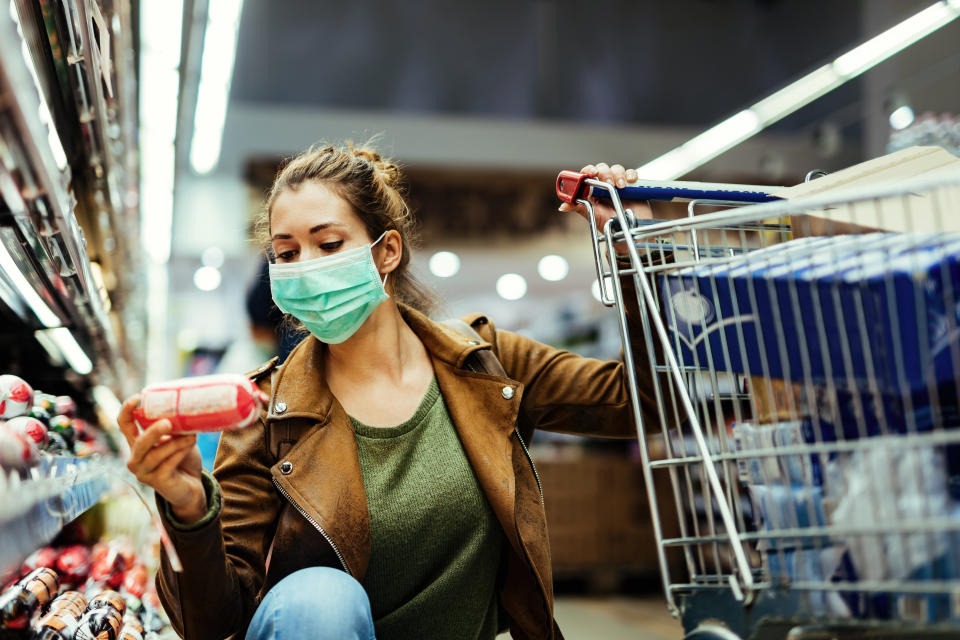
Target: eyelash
(326, 246)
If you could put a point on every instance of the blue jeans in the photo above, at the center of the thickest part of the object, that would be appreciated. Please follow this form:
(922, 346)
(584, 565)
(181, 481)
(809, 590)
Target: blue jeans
(318, 602)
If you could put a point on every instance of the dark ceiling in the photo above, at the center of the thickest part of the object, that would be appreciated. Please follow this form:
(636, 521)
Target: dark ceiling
(683, 62)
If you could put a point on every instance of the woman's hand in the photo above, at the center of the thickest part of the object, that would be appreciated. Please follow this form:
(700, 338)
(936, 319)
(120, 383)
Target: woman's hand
(603, 209)
(170, 464)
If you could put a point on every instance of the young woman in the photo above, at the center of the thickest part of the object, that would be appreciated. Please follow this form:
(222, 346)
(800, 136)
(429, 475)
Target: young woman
(386, 488)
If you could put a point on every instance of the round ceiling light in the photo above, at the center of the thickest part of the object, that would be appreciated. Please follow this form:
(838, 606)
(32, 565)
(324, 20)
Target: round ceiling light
(444, 264)
(511, 286)
(207, 278)
(553, 268)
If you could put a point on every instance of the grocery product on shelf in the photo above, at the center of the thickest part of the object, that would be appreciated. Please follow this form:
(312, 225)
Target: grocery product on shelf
(61, 620)
(73, 564)
(28, 595)
(16, 450)
(105, 594)
(16, 396)
(37, 424)
(103, 618)
(42, 557)
(222, 402)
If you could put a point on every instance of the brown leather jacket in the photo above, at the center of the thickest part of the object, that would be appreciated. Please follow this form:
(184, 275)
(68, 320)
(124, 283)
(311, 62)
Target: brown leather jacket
(302, 504)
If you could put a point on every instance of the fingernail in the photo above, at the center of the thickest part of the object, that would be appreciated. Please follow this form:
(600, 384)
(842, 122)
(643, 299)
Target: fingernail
(621, 182)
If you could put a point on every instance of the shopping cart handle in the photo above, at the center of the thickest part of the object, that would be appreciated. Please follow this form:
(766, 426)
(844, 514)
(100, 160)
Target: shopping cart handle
(569, 185)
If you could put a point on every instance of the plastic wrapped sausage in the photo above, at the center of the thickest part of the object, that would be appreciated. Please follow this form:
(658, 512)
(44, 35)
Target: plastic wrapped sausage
(103, 619)
(29, 594)
(223, 402)
(60, 621)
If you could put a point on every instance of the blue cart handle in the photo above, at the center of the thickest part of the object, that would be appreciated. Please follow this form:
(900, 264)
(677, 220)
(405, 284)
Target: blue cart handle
(571, 186)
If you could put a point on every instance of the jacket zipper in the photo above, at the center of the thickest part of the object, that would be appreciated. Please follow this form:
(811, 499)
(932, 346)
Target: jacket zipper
(315, 524)
(536, 475)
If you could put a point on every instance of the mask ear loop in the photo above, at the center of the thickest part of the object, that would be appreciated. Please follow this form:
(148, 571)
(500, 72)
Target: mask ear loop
(384, 283)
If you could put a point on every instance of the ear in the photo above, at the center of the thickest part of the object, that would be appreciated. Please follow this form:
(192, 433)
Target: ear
(391, 250)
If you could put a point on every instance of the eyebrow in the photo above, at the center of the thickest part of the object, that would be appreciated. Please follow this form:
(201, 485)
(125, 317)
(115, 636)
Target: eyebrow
(313, 230)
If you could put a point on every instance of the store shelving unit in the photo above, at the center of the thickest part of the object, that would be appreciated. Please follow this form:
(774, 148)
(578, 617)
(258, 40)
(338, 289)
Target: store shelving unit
(39, 502)
(68, 209)
(71, 307)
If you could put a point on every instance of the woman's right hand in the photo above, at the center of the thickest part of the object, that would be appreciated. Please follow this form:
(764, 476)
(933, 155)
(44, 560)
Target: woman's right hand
(171, 464)
(603, 209)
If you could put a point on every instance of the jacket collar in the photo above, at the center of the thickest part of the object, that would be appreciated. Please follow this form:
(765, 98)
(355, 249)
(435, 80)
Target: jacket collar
(300, 389)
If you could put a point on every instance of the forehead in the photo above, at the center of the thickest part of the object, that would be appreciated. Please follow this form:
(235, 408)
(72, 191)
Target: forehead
(310, 204)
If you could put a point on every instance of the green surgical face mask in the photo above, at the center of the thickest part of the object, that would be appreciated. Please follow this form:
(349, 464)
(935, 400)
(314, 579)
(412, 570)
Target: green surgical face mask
(332, 296)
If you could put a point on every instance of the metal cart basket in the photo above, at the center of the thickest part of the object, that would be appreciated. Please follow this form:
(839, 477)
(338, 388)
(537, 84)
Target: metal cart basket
(806, 375)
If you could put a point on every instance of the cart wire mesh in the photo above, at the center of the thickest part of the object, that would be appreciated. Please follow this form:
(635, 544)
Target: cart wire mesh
(807, 377)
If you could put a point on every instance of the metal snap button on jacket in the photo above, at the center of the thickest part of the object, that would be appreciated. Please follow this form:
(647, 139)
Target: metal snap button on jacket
(507, 392)
(286, 467)
(280, 407)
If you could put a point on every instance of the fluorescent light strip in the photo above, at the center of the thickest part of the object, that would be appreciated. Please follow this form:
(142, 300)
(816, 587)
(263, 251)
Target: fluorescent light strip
(734, 130)
(160, 30)
(68, 347)
(44, 314)
(213, 93)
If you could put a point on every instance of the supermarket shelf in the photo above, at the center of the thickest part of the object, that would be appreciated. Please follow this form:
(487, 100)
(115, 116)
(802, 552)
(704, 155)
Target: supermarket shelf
(47, 262)
(37, 503)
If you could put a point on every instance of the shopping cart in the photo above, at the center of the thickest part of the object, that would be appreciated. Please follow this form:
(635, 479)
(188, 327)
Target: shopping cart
(806, 373)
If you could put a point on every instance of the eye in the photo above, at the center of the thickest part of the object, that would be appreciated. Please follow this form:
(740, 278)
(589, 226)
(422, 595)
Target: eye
(286, 256)
(331, 246)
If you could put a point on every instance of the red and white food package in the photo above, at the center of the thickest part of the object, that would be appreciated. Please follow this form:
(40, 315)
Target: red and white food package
(16, 450)
(16, 396)
(222, 402)
(42, 557)
(31, 428)
(73, 564)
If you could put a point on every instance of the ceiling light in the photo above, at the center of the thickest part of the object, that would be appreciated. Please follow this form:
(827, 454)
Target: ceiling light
(553, 268)
(212, 257)
(595, 289)
(902, 117)
(216, 72)
(731, 132)
(444, 264)
(511, 286)
(160, 30)
(894, 39)
(207, 278)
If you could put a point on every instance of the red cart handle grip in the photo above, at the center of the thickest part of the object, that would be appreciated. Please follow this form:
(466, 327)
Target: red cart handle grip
(570, 185)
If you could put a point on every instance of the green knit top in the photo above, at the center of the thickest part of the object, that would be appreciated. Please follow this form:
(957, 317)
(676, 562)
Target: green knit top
(435, 541)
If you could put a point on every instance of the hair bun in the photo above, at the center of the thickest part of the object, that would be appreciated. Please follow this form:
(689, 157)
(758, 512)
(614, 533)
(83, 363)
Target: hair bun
(387, 170)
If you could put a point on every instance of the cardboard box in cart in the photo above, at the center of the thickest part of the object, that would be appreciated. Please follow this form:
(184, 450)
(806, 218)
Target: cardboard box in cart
(878, 309)
(803, 311)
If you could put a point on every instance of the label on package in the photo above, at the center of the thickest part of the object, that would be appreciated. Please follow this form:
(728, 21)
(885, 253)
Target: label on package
(159, 404)
(204, 400)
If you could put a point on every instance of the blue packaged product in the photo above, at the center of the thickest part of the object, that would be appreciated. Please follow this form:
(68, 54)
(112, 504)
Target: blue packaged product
(879, 310)
(801, 469)
(777, 507)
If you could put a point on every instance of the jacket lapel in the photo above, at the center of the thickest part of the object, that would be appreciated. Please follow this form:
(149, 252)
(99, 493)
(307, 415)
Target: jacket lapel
(485, 420)
(321, 472)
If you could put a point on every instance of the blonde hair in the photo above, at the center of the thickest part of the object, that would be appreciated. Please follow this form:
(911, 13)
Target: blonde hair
(373, 187)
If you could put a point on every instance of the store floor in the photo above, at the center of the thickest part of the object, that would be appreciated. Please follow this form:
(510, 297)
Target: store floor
(614, 618)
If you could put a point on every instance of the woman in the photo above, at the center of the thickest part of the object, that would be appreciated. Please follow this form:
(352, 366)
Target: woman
(387, 485)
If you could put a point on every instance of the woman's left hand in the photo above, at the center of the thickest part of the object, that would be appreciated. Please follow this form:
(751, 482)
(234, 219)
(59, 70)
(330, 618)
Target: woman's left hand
(602, 209)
